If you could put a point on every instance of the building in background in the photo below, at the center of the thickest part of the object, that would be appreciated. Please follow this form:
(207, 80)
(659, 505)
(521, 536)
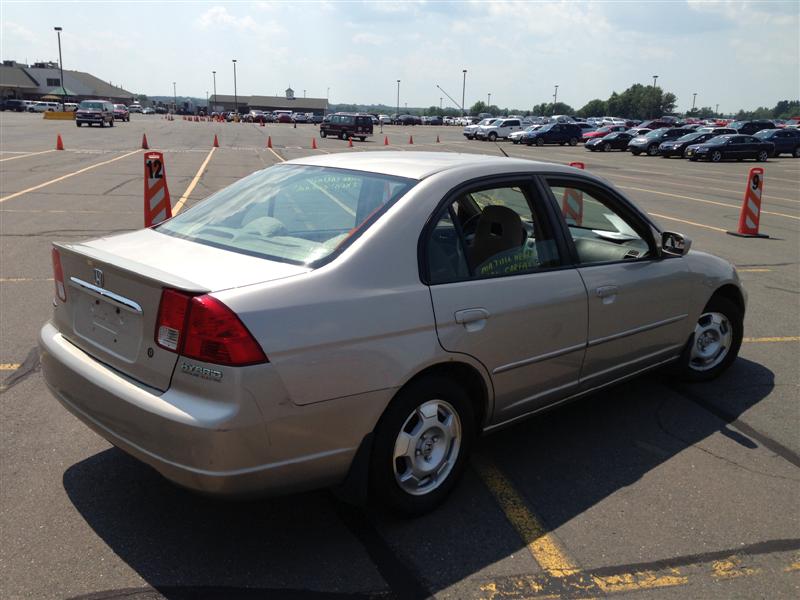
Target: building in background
(225, 102)
(44, 79)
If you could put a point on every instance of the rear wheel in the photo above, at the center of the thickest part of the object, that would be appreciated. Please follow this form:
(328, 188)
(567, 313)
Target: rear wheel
(323, 133)
(715, 342)
(362, 138)
(111, 123)
(573, 141)
(762, 156)
(636, 152)
(539, 142)
(492, 136)
(422, 442)
(796, 152)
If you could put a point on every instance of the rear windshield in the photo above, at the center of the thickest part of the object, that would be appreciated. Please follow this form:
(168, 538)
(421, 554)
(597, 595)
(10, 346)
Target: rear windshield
(93, 105)
(290, 213)
(657, 132)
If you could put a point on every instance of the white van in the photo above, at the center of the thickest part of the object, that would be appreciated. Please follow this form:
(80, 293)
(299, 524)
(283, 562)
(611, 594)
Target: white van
(45, 107)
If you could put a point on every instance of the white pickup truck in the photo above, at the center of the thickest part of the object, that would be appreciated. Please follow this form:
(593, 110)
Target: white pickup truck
(470, 130)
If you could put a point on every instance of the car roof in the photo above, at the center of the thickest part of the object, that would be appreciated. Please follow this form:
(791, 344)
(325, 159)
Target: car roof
(419, 165)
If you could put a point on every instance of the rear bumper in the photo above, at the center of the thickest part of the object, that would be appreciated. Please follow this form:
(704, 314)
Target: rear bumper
(216, 447)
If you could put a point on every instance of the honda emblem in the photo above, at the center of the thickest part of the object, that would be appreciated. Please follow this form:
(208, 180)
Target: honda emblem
(98, 277)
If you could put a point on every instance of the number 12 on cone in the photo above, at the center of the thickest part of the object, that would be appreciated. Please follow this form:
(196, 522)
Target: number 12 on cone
(157, 205)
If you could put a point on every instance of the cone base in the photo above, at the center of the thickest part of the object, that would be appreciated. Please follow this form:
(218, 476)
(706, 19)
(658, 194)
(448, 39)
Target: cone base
(747, 235)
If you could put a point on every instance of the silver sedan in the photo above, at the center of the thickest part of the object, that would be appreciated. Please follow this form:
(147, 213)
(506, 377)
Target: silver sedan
(361, 318)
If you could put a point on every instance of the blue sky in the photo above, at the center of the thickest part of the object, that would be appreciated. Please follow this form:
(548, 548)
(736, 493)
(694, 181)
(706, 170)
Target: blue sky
(735, 54)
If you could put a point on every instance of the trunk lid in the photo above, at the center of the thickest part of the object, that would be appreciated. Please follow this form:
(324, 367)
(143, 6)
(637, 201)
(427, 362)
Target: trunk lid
(114, 286)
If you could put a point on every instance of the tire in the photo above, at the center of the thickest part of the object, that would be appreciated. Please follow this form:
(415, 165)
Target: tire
(796, 152)
(693, 159)
(716, 156)
(762, 156)
(440, 398)
(492, 136)
(715, 342)
(362, 138)
(636, 152)
(652, 150)
(341, 135)
(573, 141)
(665, 156)
(685, 151)
(111, 123)
(515, 142)
(102, 123)
(606, 147)
(78, 124)
(560, 143)
(323, 134)
(539, 142)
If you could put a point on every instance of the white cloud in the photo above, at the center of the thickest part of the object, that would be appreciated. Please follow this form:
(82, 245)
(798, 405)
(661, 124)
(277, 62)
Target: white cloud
(218, 16)
(752, 13)
(372, 39)
(12, 29)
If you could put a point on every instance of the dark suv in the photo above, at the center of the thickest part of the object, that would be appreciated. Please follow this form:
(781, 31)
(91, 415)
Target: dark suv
(347, 125)
(751, 127)
(555, 133)
(786, 140)
(95, 111)
(14, 104)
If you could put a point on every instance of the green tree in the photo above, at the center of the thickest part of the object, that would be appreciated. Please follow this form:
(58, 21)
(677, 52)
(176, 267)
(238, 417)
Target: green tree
(593, 108)
(477, 108)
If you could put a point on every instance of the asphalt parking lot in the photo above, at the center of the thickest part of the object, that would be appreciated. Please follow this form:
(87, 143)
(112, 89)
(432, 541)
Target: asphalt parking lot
(653, 489)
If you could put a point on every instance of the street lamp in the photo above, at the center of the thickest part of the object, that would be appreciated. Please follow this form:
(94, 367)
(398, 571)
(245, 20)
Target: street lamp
(214, 73)
(304, 93)
(398, 98)
(463, 92)
(555, 99)
(58, 31)
(175, 96)
(694, 100)
(440, 102)
(654, 80)
(235, 94)
(716, 110)
(488, 99)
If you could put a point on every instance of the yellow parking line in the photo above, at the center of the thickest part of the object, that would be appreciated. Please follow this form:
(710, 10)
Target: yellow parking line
(771, 340)
(688, 222)
(179, 204)
(67, 176)
(763, 212)
(21, 279)
(754, 270)
(9, 366)
(26, 155)
(543, 546)
(640, 580)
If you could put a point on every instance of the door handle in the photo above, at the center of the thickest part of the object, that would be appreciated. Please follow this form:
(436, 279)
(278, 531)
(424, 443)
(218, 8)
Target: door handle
(471, 315)
(604, 291)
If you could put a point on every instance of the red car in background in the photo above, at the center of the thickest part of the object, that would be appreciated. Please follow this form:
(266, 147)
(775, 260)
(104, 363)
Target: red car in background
(121, 113)
(603, 131)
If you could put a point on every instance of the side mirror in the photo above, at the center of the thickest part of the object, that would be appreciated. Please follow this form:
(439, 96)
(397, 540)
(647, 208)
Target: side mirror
(675, 244)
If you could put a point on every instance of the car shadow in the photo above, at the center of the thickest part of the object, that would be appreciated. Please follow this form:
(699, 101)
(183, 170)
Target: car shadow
(312, 545)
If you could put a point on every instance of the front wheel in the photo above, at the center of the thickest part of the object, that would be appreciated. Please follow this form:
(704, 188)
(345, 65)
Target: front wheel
(652, 150)
(796, 152)
(715, 342)
(323, 134)
(573, 141)
(362, 138)
(422, 442)
(492, 136)
(716, 156)
(762, 156)
(636, 152)
(606, 147)
(539, 142)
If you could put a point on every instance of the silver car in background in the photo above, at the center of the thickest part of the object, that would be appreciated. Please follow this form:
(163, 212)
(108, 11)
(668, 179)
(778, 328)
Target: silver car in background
(361, 318)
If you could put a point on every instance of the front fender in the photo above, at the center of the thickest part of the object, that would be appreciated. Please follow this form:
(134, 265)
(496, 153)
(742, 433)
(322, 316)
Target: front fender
(709, 274)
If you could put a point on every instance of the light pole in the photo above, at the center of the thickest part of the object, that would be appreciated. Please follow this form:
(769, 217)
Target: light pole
(488, 99)
(716, 110)
(398, 98)
(440, 102)
(214, 73)
(235, 94)
(555, 99)
(655, 77)
(175, 96)
(694, 100)
(208, 112)
(463, 92)
(58, 31)
(304, 93)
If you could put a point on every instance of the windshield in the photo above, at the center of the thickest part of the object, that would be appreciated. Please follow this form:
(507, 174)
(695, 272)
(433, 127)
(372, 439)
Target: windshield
(737, 124)
(547, 127)
(689, 137)
(719, 140)
(91, 105)
(656, 132)
(290, 213)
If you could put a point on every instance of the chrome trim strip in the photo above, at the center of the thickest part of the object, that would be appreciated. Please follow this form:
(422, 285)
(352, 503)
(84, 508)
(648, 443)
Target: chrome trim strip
(534, 359)
(512, 420)
(635, 330)
(107, 295)
(632, 362)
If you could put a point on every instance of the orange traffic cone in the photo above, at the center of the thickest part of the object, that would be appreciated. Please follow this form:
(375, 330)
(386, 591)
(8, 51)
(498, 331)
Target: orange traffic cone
(269, 141)
(750, 215)
(410, 139)
(216, 141)
(59, 143)
(349, 142)
(386, 140)
(313, 143)
(144, 142)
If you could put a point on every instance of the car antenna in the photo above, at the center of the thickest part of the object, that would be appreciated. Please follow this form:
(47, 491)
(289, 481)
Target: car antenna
(499, 147)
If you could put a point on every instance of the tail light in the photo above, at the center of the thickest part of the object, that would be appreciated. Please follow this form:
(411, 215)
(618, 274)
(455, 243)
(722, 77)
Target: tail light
(58, 276)
(203, 328)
